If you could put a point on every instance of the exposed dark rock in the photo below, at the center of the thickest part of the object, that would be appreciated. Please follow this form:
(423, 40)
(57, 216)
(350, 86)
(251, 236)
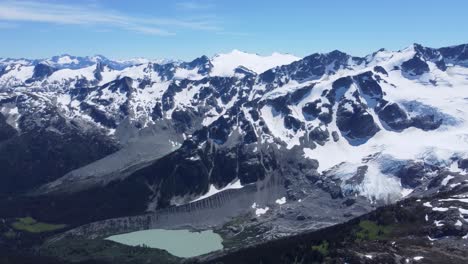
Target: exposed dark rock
(380, 69)
(412, 174)
(203, 64)
(310, 68)
(280, 105)
(463, 164)
(319, 135)
(356, 123)
(369, 86)
(41, 71)
(166, 71)
(358, 177)
(415, 66)
(456, 54)
(349, 202)
(157, 111)
(339, 87)
(318, 109)
(168, 96)
(250, 135)
(219, 130)
(254, 114)
(250, 169)
(122, 85)
(394, 117)
(243, 70)
(98, 115)
(183, 119)
(335, 136)
(326, 117)
(426, 122)
(330, 187)
(268, 76)
(98, 71)
(300, 93)
(37, 157)
(312, 109)
(292, 123)
(430, 54)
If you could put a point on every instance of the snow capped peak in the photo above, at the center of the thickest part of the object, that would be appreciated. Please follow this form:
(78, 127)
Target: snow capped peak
(238, 51)
(66, 59)
(234, 52)
(225, 64)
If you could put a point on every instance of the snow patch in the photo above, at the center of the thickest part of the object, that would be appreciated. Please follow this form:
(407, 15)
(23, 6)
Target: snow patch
(281, 201)
(440, 209)
(261, 211)
(446, 180)
(225, 64)
(213, 190)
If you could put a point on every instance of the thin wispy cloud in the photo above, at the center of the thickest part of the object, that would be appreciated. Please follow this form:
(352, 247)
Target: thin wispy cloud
(192, 5)
(89, 15)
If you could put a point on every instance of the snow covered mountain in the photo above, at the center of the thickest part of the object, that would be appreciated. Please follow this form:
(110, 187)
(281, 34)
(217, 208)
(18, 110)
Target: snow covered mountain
(225, 65)
(330, 105)
(81, 72)
(236, 133)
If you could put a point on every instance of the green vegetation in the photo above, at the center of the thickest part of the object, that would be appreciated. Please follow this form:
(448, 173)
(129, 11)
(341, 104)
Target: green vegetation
(98, 250)
(371, 231)
(29, 224)
(322, 248)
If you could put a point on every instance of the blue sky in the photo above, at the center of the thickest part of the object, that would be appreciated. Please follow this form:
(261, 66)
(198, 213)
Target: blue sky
(185, 29)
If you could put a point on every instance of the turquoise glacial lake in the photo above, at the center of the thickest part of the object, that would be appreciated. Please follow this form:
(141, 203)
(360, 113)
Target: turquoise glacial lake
(180, 243)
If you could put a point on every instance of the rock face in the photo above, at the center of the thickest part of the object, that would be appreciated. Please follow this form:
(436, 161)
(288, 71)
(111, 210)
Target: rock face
(45, 146)
(456, 54)
(41, 72)
(463, 164)
(412, 174)
(415, 66)
(369, 86)
(394, 116)
(319, 135)
(354, 121)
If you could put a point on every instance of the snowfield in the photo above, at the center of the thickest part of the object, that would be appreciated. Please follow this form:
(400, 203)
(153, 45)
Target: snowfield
(225, 64)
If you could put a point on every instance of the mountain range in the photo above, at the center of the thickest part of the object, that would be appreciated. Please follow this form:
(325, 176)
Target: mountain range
(268, 151)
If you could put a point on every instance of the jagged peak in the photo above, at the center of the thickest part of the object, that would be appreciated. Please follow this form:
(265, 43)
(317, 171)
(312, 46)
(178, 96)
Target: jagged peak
(333, 52)
(202, 60)
(332, 55)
